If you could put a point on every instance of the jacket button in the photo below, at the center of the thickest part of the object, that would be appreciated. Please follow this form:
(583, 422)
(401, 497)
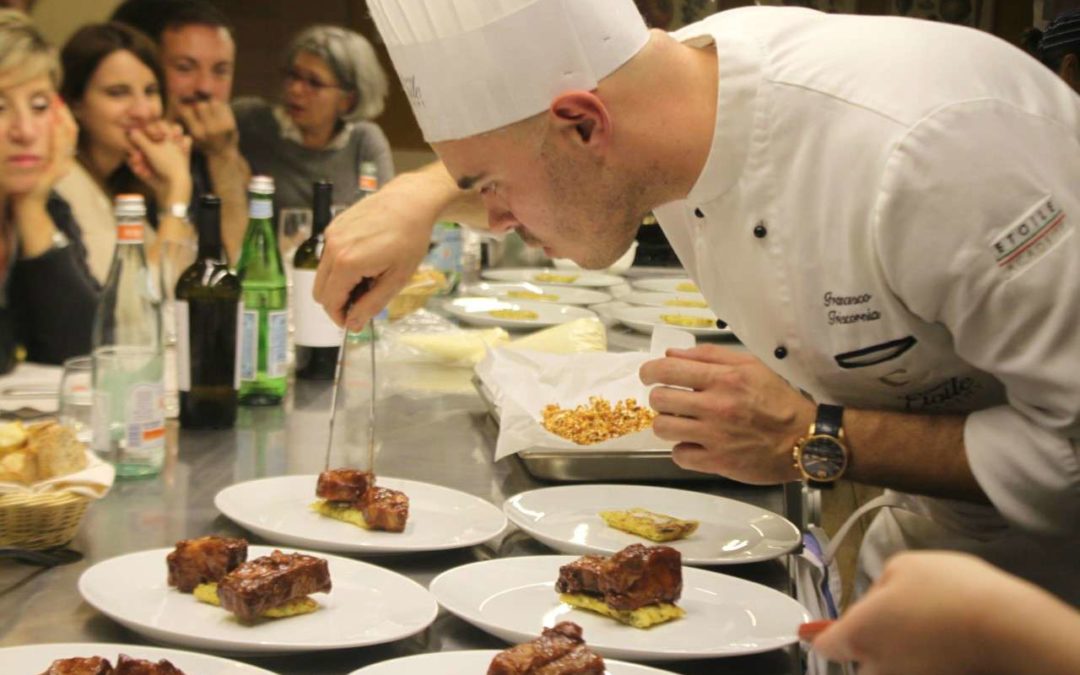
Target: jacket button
(759, 230)
(721, 324)
(699, 213)
(780, 352)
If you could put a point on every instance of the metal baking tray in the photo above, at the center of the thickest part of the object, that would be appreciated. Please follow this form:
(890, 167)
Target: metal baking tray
(558, 465)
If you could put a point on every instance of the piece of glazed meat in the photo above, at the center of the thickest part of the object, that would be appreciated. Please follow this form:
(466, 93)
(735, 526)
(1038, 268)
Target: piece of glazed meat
(558, 651)
(641, 575)
(202, 560)
(129, 666)
(582, 575)
(384, 509)
(343, 485)
(270, 581)
(90, 665)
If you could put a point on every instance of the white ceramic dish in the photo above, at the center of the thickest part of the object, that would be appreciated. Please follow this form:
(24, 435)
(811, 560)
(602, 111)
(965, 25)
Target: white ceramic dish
(553, 276)
(278, 509)
(668, 300)
(37, 658)
(478, 311)
(644, 319)
(564, 295)
(567, 519)
(368, 605)
(475, 663)
(514, 599)
(667, 285)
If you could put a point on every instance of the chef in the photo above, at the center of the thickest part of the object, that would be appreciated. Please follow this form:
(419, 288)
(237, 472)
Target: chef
(881, 209)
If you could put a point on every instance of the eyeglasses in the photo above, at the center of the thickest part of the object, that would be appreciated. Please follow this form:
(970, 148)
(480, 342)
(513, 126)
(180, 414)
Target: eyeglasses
(293, 76)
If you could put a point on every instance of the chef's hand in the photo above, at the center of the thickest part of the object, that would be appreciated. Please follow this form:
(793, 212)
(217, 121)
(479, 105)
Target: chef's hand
(382, 238)
(728, 413)
(938, 613)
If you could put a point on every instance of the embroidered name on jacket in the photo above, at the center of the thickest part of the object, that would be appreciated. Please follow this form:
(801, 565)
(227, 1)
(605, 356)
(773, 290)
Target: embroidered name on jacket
(1031, 237)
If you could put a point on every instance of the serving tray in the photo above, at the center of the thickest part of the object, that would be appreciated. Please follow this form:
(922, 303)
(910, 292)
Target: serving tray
(555, 464)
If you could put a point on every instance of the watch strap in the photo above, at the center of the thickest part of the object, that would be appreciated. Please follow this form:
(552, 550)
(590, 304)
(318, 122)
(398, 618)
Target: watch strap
(830, 419)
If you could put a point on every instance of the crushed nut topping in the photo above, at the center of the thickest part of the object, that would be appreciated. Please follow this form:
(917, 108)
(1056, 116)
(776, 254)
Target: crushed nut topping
(598, 421)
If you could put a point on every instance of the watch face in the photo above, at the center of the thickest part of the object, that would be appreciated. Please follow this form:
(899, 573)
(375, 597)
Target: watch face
(823, 458)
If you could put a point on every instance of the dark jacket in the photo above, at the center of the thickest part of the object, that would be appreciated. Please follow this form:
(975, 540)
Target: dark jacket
(50, 299)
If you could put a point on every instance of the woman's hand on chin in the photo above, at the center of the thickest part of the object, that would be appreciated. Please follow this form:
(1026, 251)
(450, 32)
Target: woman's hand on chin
(161, 159)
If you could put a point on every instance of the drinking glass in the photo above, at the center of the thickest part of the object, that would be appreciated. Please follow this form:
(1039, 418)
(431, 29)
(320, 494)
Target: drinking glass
(77, 396)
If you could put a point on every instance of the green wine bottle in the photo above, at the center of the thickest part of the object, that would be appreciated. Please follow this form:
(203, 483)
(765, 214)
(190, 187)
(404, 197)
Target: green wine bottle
(264, 324)
(207, 304)
(317, 337)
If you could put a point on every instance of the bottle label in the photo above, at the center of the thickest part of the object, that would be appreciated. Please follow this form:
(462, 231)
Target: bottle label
(145, 424)
(247, 342)
(314, 328)
(129, 233)
(261, 208)
(368, 182)
(239, 342)
(183, 346)
(277, 358)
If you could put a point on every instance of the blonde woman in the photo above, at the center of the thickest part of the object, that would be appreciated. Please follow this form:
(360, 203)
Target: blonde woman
(48, 295)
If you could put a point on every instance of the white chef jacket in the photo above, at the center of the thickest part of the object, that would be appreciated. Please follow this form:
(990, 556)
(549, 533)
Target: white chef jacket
(887, 219)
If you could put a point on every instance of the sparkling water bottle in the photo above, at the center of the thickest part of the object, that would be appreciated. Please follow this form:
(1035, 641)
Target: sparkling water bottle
(128, 356)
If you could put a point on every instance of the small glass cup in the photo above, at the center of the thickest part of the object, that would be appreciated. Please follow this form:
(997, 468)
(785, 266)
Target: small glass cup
(77, 396)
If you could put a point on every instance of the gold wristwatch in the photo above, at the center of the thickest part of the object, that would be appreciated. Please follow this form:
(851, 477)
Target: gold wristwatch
(822, 455)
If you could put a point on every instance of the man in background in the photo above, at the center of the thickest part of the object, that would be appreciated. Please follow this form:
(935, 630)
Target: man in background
(198, 55)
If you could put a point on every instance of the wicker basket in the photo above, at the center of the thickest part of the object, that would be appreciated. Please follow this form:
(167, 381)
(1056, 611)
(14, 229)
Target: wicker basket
(40, 521)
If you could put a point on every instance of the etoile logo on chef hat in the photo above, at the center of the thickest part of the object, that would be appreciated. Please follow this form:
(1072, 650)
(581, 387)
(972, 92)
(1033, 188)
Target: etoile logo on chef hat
(470, 66)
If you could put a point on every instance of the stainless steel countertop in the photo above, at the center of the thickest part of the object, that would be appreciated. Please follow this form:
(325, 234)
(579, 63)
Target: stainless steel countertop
(446, 439)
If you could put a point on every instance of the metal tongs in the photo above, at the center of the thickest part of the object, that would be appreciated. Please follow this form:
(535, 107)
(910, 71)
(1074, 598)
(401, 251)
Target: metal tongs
(357, 291)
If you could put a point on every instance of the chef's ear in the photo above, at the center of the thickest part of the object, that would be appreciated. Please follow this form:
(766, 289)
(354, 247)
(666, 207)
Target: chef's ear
(583, 116)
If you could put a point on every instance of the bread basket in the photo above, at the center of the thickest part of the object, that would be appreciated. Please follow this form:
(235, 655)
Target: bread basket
(40, 520)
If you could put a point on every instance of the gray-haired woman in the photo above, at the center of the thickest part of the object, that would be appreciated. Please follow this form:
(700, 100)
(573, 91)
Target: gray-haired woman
(334, 86)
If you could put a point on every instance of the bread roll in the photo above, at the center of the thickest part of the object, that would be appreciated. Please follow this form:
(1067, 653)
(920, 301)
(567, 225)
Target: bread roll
(18, 466)
(12, 437)
(58, 451)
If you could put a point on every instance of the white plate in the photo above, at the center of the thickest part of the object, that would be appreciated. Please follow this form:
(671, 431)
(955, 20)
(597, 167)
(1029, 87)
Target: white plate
(644, 319)
(477, 311)
(654, 299)
(667, 285)
(538, 275)
(37, 658)
(564, 295)
(440, 518)
(475, 663)
(567, 519)
(368, 605)
(514, 599)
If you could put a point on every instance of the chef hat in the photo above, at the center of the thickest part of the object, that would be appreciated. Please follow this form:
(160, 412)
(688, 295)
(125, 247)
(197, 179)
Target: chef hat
(470, 66)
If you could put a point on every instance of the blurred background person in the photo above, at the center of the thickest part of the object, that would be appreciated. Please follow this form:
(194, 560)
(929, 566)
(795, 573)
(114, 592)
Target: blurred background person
(333, 87)
(23, 6)
(198, 55)
(939, 613)
(47, 295)
(1058, 47)
(112, 82)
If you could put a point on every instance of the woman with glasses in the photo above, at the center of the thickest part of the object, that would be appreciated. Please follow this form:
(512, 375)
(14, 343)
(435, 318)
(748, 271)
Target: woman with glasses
(333, 87)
